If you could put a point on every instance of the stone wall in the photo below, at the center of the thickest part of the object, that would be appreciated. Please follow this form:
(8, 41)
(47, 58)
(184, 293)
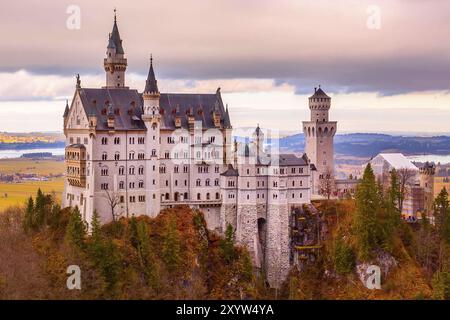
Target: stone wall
(277, 244)
(247, 231)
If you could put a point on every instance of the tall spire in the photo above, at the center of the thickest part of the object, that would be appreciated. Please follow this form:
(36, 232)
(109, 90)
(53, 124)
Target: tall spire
(151, 84)
(115, 36)
(66, 110)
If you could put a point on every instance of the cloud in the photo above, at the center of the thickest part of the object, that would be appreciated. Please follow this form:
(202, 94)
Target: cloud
(297, 42)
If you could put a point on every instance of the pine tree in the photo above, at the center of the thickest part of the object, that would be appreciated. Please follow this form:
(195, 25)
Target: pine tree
(367, 210)
(39, 214)
(442, 215)
(29, 215)
(55, 217)
(227, 244)
(143, 242)
(390, 223)
(171, 247)
(76, 229)
(134, 232)
(96, 228)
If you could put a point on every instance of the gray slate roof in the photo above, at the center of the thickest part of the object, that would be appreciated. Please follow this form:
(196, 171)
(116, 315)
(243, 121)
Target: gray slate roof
(115, 37)
(319, 93)
(127, 106)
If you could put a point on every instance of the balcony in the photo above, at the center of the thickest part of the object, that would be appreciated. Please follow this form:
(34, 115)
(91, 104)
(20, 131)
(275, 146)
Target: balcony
(75, 158)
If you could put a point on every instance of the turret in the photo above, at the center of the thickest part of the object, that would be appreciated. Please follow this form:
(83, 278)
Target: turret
(319, 104)
(115, 63)
(151, 94)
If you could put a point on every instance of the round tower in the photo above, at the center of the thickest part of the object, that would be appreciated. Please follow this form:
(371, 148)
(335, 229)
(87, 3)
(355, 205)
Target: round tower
(426, 178)
(115, 63)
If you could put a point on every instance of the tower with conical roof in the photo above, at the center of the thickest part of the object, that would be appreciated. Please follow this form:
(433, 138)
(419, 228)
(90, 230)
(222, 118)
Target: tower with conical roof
(319, 134)
(115, 63)
(152, 120)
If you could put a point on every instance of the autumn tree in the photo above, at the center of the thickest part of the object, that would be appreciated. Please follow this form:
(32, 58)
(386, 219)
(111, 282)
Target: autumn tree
(327, 184)
(405, 177)
(113, 200)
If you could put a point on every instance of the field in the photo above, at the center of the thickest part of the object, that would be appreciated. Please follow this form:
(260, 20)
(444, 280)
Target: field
(16, 193)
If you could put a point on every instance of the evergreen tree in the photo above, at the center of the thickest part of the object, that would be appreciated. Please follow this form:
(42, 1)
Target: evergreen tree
(392, 217)
(227, 244)
(442, 215)
(29, 215)
(344, 259)
(96, 228)
(171, 246)
(143, 242)
(76, 229)
(367, 210)
(39, 215)
(55, 217)
(134, 232)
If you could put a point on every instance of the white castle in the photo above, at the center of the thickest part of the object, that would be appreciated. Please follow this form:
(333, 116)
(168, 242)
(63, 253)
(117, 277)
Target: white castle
(131, 153)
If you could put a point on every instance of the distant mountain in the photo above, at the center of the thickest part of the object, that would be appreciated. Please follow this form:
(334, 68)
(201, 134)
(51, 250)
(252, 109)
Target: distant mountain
(370, 144)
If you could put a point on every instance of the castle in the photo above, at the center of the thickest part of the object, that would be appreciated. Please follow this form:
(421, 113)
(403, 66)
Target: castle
(133, 153)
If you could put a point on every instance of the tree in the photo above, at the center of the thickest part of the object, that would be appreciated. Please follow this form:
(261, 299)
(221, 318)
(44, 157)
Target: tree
(134, 232)
(96, 227)
(227, 244)
(367, 207)
(113, 199)
(392, 219)
(143, 242)
(29, 215)
(171, 246)
(327, 184)
(405, 177)
(344, 258)
(39, 214)
(442, 215)
(76, 229)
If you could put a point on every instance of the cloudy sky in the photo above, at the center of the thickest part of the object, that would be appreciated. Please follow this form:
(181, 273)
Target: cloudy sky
(385, 63)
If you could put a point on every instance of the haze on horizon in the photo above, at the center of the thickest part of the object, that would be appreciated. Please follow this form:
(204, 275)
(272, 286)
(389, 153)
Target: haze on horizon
(267, 56)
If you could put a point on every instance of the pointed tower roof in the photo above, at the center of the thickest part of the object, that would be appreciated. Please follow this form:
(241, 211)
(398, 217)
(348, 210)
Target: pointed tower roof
(151, 84)
(115, 37)
(66, 111)
(319, 93)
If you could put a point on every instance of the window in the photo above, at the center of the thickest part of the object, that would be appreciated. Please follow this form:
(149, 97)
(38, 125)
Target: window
(167, 155)
(131, 185)
(216, 182)
(141, 156)
(248, 184)
(231, 183)
(207, 196)
(117, 156)
(217, 196)
(117, 140)
(131, 155)
(248, 171)
(104, 171)
(198, 183)
(162, 169)
(131, 170)
(167, 183)
(122, 199)
(132, 199)
(85, 140)
(153, 152)
(104, 140)
(104, 186)
(170, 140)
(293, 183)
(104, 156)
(141, 198)
(207, 182)
(248, 197)
(199, 197)
(216, 169)
(141, 170)
(175, 169)
(292, 170)
(185, 169)
(131, 140)
(121, 185)
(121, 171)
(275, 184)
(141, 140)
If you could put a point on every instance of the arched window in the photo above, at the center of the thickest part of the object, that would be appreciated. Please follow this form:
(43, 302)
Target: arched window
(217, 196)
(121, 170)
(199, 197)
(141, 170)
(117, 156)
(104, 156)
(131, 170)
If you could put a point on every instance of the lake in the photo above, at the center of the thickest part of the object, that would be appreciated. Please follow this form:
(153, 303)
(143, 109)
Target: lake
(8, 154)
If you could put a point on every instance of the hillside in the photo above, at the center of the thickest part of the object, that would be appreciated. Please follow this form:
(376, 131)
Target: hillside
(174, 256)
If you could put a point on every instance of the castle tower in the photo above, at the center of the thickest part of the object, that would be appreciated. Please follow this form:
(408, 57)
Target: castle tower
(427, 183)
(115, 63)
(152, 120)
(319, 134)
